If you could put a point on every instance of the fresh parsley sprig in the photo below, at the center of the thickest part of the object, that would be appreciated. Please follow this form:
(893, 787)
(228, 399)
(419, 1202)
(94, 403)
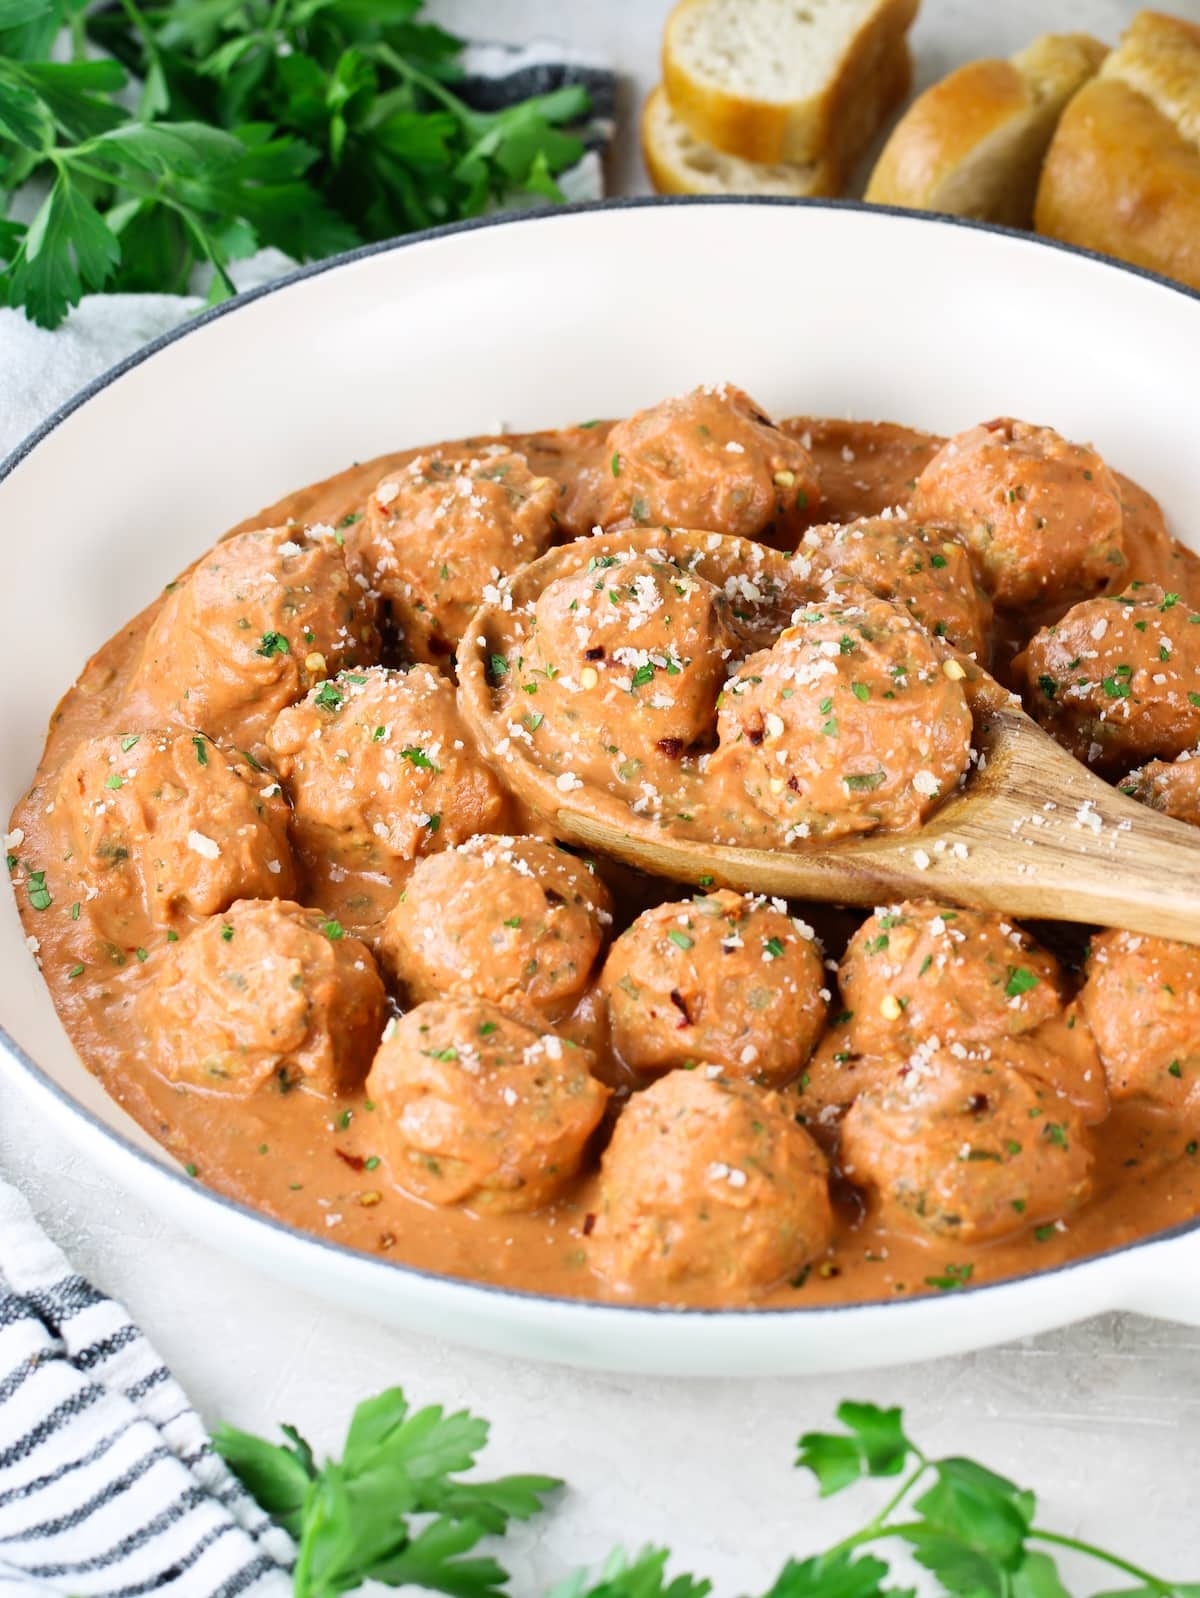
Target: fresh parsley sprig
(972, 1529)
(352, 1519)
(307, 125)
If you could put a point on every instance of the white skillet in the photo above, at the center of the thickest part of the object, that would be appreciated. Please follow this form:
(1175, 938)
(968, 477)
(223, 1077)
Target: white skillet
(819, 307)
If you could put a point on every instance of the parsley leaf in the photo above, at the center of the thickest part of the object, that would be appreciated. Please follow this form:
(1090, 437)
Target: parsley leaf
(308, 125)
(351, 1518)
(874, 1445)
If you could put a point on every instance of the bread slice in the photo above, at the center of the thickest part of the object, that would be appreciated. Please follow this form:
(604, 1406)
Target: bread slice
(780, 80)
(1122, 174)
(973, 144)
(680, 164)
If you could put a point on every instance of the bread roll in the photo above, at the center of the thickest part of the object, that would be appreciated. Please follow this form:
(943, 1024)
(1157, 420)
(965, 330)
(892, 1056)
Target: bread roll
(770, 81)
(973, 144)
(680, 164)
(1122, 174)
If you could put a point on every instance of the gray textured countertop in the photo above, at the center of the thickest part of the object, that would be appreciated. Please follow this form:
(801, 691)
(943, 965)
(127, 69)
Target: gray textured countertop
(1103, 1419)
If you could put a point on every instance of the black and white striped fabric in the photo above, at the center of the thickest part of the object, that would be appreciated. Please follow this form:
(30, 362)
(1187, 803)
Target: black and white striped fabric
(108, 1482)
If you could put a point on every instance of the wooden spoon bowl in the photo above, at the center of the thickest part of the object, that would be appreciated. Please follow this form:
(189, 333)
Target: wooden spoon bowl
(1032, 831)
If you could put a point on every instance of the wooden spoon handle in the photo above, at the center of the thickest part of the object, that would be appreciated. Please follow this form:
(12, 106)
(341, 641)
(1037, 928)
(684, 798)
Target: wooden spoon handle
(1034, 833)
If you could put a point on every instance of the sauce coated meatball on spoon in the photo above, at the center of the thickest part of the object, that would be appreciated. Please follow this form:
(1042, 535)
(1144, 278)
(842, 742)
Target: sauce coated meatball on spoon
(850, 720)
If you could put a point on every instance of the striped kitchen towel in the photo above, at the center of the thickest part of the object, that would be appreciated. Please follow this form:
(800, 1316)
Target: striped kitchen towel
(108, 1482)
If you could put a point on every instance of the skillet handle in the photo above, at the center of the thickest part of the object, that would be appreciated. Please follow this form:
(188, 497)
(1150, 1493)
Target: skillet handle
(1163, 1279)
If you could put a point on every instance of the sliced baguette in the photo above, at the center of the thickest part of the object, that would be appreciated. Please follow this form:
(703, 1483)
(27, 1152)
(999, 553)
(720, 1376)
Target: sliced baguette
(775, 80)
(973, 144)
(1122, 174)
(680, 164)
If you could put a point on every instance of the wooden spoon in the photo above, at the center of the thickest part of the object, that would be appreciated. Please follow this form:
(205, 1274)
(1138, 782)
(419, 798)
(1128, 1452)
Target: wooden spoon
(1035, 833)
(1032, 833)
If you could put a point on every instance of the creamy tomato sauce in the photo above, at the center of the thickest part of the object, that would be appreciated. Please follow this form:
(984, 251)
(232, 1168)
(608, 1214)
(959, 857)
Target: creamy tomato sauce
(304, 1147)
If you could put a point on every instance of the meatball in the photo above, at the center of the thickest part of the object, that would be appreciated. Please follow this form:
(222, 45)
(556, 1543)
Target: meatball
(1041, 516)
(260, 619)
(709, 459)
(1142, 1003)
(711, 1185)
(926, 569)
(720, 980)
(269, 992)
(438, 532)
(1117, 680)
(381, 769)
(851, 721)
(165, 825)
(921, 970)
(515, 921)
(625, 663)
(1172, 786)
(478, 1108)
(968, 1148)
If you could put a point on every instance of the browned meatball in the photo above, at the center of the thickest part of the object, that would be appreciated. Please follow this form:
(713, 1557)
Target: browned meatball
(852, 721)
(477, 1108)
(709, 459)
(165, 825)
(1041, 516)
(515, 921)
(1172, 786)
(439, 532)
(261, 617)
(269, 992)
(381, 769)
(1142, 1002)
(721, 980)
(624, 665)
(1117, 680)
(968, 1148)
(921, 970)
(709, 1185)
(924, 568)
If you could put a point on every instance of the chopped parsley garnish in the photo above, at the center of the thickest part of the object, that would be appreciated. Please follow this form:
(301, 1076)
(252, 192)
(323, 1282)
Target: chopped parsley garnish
(615, 463)
(273, 644)
(864, 781)
(227, 933)
(333, 929)
(679, 939)
(128, 743)
(114, 781)
(498, 665)
(1020, 980)
(417, 757)
(860, 691)
(953, 1277)
(772, 948)
(40, 896)
(329, 696)
(201, 751)
(435, 822)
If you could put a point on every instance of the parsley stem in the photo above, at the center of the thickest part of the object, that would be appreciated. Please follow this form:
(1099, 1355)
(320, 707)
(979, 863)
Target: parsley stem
(1092, 1552)
(878, 1527)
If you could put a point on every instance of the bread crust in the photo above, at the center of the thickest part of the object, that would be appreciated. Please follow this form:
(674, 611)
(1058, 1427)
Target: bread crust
(1120, 178)
(671, 175)
(973, 143)
(833, 126)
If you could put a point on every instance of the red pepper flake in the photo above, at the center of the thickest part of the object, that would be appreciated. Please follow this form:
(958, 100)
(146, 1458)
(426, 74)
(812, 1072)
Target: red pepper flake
(354, 1161)
(589, 1222)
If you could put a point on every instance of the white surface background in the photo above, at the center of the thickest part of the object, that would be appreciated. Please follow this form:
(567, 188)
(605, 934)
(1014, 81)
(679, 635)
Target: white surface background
(1104, 1420)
